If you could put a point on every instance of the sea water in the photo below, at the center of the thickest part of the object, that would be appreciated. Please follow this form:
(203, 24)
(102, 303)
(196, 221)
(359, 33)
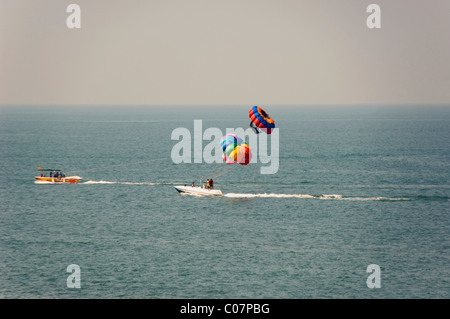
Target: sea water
(356, 186)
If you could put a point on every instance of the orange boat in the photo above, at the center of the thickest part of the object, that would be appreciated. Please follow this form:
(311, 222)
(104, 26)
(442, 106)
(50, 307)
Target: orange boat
(55, 176)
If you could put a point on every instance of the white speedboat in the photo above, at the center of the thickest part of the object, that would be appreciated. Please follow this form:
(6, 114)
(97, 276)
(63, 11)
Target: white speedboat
(198, 191)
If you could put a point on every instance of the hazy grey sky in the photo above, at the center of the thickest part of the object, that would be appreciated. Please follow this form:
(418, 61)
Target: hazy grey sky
(224, 52)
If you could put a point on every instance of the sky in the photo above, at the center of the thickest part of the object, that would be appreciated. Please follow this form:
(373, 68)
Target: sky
(219, 52)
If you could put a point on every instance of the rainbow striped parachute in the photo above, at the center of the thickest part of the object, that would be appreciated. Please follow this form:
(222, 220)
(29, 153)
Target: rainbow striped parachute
(235, 150)
(260, 120)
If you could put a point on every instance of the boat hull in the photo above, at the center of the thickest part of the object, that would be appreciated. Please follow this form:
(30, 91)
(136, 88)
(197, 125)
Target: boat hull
(55, 180)
(198, 191)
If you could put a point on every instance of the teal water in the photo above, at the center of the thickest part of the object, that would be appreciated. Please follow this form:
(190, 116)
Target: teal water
(356, 185)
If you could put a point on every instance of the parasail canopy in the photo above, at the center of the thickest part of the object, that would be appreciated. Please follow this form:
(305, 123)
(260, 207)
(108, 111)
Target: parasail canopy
(235, 150)
(260, 120)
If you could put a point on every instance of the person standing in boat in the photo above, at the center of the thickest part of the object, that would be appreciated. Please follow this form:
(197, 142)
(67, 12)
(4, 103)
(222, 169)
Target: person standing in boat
(208, 184)
(211, 183)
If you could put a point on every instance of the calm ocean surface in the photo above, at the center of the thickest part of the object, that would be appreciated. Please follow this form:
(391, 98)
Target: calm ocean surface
(356, 185)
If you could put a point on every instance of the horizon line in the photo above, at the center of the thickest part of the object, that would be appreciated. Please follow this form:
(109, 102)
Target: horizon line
(221, 104)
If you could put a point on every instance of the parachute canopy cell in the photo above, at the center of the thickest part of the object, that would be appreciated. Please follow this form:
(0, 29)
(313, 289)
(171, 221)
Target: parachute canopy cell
(235, 150)
(261, 120)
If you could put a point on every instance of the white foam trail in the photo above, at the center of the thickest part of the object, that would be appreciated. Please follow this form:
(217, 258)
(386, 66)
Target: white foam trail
(307, 196)
(272, 195)
(97, 182)
(261, 195)
(376, 198)
(124, 183)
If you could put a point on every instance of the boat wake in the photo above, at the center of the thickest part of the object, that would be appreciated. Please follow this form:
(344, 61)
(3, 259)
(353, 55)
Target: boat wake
(124, 183)
(306, 196)
(275, 195)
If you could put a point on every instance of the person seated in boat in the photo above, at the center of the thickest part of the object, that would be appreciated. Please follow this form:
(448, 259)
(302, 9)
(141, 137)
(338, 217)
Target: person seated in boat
(51, 174)
(193, 184)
